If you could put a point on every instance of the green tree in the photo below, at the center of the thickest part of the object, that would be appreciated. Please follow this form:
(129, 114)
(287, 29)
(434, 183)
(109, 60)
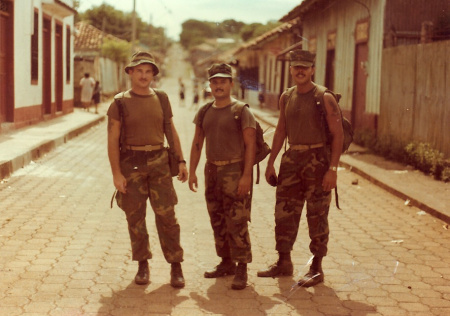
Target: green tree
(106, 17)
(247, 31)
(195, 32)
(118, 51)
(253, 30)
(230, 27)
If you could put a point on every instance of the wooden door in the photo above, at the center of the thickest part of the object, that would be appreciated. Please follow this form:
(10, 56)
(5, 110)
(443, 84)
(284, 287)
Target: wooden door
(329, 70)
(46, 67)
(6, 62)
(59, 67)
(359, 86)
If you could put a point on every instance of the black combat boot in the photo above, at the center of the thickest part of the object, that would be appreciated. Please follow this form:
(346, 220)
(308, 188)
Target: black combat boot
(240, 279)
(143, 275)
(176, 275)
(225, 267)
(282, 267)
(314, 275)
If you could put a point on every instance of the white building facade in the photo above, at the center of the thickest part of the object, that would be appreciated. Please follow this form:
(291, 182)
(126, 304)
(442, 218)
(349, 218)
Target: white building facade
(36, 61)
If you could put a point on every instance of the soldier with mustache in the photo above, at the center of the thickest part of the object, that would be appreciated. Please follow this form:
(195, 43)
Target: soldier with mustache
(308, 170)
(140, 168)
(230, 154)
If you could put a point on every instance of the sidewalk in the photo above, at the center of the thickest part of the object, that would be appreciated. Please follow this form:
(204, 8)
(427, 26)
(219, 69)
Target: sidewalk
(406, 183)
(19, 148)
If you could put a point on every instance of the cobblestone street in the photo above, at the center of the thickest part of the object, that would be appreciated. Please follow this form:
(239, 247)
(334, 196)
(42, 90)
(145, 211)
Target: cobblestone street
(64, 251)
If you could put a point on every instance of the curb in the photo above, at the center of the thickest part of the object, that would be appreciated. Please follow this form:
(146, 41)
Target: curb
(9, 167)
(397, 193)
(413, 202)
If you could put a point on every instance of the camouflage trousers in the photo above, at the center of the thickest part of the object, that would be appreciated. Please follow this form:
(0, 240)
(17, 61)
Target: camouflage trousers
(300, 181)
(229, 215)
(148, 177)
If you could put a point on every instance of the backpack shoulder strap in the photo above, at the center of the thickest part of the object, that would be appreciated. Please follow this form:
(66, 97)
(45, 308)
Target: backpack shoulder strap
(202, 112)
(164, 100)
(238, 110)
(118, 99)
(238, 113)
(288, 94)
(167, 126)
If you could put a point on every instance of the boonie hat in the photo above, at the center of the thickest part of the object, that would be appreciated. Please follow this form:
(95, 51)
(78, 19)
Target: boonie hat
(219, 70)
(302, 58)
(142, 58)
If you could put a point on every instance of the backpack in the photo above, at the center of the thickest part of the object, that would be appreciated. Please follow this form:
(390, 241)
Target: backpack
(346, 125)
(262, 148)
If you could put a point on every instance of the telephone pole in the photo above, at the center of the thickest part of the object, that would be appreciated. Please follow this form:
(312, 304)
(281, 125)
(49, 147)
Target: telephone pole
(133, 26)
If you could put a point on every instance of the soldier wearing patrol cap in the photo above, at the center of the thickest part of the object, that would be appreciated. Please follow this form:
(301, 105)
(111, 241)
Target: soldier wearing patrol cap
(139, 164)
(307, 172)
(230, 154)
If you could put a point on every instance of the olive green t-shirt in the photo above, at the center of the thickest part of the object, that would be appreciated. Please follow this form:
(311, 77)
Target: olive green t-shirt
(303, 119)
(143, 117)
(224, 140)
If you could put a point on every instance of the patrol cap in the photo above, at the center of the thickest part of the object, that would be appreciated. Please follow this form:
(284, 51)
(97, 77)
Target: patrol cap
(302, 58)
(139, 58)
(219, 70)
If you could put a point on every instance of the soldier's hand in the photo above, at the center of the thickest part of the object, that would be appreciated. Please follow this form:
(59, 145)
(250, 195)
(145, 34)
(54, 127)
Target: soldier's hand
(244, 186)
(271, 175)
(120, 183)
(193, 182)
(182, 172)
(329, 180)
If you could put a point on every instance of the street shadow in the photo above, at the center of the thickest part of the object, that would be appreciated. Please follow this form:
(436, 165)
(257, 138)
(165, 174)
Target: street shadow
(321, 298)
(220, 299)
(135, 300)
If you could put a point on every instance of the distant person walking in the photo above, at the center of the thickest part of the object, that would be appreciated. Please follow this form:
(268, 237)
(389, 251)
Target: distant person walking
(87, 84)
(182, 92)
(96, 95)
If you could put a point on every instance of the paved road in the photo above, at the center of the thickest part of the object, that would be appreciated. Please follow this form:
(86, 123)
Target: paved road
(65, 252)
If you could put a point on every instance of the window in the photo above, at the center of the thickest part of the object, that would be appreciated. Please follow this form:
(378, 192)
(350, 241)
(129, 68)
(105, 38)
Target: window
(68, 49)
(35, 49)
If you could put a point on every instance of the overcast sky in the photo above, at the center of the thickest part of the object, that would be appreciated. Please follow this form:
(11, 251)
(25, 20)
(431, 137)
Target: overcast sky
(170, 14)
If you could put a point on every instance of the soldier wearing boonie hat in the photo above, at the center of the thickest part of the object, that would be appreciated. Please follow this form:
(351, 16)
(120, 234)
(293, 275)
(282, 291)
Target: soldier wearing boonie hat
(308, 171)
(139, 163)
(139, 58)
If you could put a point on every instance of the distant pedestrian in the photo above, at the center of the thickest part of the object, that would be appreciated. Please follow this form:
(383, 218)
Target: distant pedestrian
(206, 91)
(261, 96)
(96, 95)
(87, 84)
(196, 96)
(230, 154)
(137, 125)
(308, 169)
(182, 90)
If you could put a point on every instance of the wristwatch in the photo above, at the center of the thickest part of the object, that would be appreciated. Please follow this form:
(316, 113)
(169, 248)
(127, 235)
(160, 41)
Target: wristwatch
(333, 168)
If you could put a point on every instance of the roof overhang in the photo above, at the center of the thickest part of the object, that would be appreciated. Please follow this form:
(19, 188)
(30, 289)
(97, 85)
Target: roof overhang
(282, 54)
(305, 7)
(59, 8)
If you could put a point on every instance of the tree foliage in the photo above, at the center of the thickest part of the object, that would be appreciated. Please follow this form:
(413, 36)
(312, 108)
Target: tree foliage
(105, 17)
(195, 32)
(118, 51)
(253, 30)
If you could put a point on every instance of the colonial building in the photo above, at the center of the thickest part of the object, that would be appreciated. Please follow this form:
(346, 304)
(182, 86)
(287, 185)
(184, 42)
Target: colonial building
(36, 61)
(350, 37)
